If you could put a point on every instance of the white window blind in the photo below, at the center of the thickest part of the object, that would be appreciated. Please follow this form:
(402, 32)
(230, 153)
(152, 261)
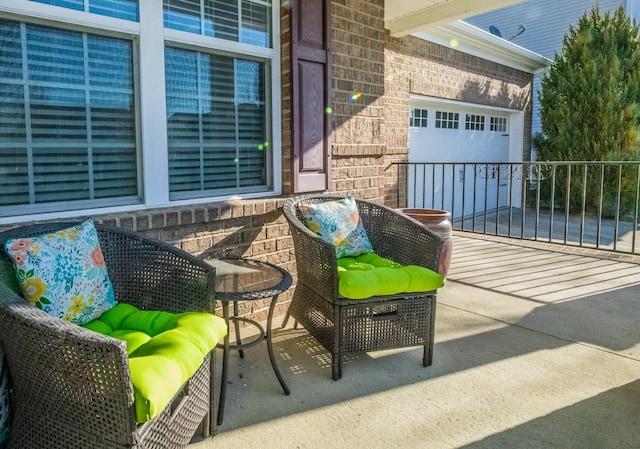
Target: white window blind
(67, 118)
(121, 9)
(246, 21)
(216, 120)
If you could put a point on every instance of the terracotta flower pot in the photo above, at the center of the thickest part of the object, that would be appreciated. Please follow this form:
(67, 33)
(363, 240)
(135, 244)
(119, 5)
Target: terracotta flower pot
(437, 221)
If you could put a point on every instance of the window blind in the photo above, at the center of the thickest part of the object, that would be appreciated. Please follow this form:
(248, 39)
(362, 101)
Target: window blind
(120, 9)
(246, 21)
(67, 117)
(216, 123)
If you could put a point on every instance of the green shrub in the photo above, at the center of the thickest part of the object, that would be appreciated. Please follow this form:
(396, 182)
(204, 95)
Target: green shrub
(589, 111)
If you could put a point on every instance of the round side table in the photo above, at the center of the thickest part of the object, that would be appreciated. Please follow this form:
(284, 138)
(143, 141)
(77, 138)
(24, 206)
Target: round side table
(247, 280)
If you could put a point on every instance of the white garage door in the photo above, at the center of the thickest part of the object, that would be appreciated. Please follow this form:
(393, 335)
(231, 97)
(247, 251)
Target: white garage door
(461, 133)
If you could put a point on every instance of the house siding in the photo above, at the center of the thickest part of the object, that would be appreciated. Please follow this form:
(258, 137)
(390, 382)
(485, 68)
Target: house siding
(546, 23)
(373, 78)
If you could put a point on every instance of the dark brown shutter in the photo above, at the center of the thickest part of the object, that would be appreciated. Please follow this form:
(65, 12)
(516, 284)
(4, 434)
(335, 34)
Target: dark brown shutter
(311, 73)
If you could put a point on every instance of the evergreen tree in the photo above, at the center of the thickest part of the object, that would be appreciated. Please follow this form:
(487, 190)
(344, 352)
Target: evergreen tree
(589, 105)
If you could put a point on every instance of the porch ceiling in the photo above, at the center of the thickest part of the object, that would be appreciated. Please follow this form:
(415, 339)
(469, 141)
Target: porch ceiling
(404, 17)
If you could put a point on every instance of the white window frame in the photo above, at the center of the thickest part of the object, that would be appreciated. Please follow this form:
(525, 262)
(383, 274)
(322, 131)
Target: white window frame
(151, 37)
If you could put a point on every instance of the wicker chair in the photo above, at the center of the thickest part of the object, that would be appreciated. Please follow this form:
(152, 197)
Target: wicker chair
(345, 326)
(71, 386)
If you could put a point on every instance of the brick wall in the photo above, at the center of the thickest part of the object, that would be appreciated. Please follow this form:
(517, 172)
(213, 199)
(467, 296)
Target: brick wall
(373, 78)
(286, 103)
(358, 137)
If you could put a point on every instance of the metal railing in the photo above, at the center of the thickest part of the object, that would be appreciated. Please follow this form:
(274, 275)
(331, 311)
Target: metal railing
(586, 204)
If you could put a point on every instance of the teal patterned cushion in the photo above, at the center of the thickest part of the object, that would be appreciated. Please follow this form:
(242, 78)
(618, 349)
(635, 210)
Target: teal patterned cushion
(63, 273)
(338, 222)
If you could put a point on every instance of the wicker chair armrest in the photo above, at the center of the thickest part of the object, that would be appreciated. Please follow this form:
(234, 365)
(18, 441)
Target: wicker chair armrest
(57, 365)
(152, 275)
(398, 237)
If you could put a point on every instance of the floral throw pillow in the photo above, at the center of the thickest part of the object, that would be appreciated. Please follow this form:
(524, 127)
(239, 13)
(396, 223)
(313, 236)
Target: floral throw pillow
(338, 223)
(63, 273)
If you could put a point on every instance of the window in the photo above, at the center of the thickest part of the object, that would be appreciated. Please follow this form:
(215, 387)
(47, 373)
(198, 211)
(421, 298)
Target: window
(216, 123)
(67, 118)
(418, 118)
(239, 21)
(82, 120)
(121, 9)
(498, 124)
(447, 120)
(474, 122)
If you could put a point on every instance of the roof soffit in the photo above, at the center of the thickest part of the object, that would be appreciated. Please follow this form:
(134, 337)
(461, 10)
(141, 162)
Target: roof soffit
(469, 39)
(404, 17)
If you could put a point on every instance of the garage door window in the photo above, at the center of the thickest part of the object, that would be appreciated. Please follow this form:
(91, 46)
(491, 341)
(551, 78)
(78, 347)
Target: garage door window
(447, 120)
(474, 122)
(498, 124)
(418, 118)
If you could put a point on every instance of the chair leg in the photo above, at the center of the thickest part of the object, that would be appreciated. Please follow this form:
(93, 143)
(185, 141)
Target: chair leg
(336, 367)
(427, 355)
(285, 321)
(427, 358)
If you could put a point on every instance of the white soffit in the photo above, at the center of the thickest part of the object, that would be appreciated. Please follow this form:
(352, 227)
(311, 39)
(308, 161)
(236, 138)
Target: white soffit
(464, 37)
(404, 17)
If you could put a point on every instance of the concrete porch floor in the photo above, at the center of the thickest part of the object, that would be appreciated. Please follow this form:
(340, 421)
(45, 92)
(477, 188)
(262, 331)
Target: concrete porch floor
(537, 346)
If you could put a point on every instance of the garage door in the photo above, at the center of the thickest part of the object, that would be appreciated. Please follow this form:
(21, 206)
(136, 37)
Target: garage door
(444, 133)
(450, 132)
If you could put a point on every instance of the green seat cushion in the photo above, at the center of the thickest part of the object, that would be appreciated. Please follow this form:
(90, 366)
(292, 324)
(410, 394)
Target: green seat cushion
(165, 350)
(370, 275)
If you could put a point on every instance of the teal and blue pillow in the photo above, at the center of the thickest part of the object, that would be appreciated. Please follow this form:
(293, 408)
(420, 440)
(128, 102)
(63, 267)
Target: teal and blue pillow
(338, 223)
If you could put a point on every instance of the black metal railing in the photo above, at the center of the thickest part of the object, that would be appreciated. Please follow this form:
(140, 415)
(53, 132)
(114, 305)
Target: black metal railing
(590, 204)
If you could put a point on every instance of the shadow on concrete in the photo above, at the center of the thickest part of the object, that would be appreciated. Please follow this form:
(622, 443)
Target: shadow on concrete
(599, 422)
(574, 297)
